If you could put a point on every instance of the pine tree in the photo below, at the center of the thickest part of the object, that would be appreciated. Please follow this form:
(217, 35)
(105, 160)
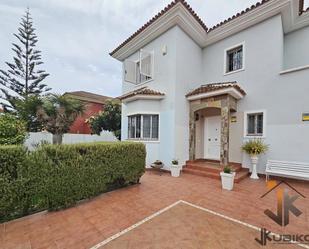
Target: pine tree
(23, 79)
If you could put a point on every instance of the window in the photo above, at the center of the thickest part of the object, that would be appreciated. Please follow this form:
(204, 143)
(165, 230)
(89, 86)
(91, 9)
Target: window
(255, 124)
(234, 59)
(143, 126)
(140, 71)
(306, 5)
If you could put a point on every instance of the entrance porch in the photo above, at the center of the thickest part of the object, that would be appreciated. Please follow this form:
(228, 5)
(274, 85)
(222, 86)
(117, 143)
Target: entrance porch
(210, 114)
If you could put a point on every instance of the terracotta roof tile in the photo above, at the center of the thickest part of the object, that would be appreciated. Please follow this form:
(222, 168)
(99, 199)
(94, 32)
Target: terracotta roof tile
(254, 6)
(141, 91)
(193, 13)
(157, 16)
(214, 87)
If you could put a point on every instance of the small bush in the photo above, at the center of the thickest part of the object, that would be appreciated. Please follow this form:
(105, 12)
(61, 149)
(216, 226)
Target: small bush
(255, 147)
(58, 176)
(227, 170)
(12, 130)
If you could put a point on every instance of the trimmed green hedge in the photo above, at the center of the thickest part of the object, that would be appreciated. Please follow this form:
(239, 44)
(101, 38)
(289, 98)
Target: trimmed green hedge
(58, 176)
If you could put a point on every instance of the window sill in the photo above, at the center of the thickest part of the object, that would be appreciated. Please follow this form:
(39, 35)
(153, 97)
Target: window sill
(255, 136)
(236, 71)
(143, 140)
(296, 69)
(143, 83)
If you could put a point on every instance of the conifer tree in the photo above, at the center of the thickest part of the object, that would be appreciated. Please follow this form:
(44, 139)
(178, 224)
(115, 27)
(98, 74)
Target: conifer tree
(23, 79)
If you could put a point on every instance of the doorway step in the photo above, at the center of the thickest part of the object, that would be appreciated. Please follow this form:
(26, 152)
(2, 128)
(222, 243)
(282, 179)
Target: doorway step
(212, 169)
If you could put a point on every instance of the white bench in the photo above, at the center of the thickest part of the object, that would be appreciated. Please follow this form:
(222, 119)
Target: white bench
(294, 170)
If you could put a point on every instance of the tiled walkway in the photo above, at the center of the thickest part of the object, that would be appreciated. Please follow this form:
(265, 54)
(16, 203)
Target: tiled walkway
(91, 222)
(185, 226)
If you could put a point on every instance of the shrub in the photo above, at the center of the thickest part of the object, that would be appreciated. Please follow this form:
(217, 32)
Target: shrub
(58, 176)
(255, 147)
(12, 130)
(227, 170)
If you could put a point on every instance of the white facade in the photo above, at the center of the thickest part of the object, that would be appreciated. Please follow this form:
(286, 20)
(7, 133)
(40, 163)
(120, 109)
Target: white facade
(274, 75)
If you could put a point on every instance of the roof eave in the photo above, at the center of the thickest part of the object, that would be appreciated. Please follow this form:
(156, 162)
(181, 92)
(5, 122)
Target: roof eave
(178, 15)
(229, 90)
(142, 97)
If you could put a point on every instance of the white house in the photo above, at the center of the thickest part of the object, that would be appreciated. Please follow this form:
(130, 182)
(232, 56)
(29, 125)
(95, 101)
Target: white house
(192, 92)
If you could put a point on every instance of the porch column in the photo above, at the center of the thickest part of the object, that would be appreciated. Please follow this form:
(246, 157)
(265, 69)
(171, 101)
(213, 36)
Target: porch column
(225, 130)
(192, 136)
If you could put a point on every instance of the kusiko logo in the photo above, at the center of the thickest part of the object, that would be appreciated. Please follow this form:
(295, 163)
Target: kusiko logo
(285, 207)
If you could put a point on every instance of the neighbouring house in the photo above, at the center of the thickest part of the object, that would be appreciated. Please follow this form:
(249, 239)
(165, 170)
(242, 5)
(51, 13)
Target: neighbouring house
(94, 103)
(190, 91)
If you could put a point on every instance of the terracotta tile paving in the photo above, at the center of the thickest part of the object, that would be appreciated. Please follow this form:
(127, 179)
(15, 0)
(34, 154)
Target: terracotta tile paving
(91, 222)
(184, 226)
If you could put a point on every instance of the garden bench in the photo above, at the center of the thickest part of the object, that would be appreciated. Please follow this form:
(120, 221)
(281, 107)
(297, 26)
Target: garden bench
(296, 170)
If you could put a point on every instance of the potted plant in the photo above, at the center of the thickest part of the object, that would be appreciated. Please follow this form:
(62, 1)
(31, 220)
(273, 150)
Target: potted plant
(254, 148)
(227, 178)
(157, 164)
(175, 168)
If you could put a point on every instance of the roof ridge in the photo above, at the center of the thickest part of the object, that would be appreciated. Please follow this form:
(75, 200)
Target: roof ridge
(193, 13)
(141, 91)
(254, 6)
(157, 16)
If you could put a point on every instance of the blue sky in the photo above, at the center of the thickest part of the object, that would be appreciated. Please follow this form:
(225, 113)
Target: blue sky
(75, 36)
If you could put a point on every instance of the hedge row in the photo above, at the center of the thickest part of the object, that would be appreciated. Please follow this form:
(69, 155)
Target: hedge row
(57, 176)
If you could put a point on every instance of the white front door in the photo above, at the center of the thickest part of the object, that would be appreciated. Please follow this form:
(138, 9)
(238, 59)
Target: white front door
(212, 137)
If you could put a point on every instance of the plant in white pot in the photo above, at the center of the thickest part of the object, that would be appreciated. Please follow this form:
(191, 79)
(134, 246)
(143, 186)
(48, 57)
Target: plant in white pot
(175, 168)
(227, 178)
(254, 148)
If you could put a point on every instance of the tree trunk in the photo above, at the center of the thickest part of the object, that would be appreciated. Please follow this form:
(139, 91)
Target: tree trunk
(57, 138)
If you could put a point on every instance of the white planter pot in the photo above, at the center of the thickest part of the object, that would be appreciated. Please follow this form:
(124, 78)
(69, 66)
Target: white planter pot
(254, 161)
(227, 180)
(175, 170)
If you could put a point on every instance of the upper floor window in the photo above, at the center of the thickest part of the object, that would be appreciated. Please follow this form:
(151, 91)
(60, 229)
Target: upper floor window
(255, 124)
(143, 126)
(234, 59)
(139, 71)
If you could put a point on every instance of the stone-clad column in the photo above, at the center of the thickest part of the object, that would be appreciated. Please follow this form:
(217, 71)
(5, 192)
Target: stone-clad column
(225, 129)
(192, 135)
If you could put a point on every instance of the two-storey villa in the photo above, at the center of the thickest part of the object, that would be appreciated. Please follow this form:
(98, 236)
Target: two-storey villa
(190, 91)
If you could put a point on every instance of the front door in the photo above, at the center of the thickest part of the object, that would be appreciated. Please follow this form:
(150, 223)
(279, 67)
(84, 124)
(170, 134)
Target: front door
(212, 137)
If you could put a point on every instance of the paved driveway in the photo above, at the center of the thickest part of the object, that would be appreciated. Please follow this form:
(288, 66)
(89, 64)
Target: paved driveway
(94, 221)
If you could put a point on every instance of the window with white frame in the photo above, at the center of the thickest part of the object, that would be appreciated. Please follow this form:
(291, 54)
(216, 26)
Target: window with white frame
(306, 4)
(234, 59)
(143, 126)
(255, 124)
(139, 71)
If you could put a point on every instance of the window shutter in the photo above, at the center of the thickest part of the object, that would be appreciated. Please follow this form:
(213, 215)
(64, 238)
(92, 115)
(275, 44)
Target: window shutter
(130, 71)
(146, 63)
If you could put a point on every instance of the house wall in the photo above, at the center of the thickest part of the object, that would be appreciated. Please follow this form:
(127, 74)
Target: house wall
(80, 126)
(188, 76)
(282, 96)
(186, 66)
(296, 49)
(164, 81)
